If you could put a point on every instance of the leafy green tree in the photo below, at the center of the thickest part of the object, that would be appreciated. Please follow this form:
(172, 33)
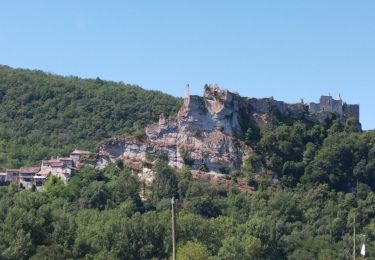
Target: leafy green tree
(20, 247)
(54, 185)
(50, 252)
(184, 181)
(45, 115)
(204, 206)
(246, 247)
(193, 251)
(124, 187)
(166, 182)
(94, 196)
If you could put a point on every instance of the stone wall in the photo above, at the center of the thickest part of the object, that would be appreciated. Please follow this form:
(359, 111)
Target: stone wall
(328, 104)
(314, 107)
(351, 111)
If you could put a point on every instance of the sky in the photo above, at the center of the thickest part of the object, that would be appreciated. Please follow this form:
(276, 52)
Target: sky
(288, 49)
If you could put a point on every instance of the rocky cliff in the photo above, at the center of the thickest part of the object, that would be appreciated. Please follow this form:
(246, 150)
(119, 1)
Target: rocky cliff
(208, 132)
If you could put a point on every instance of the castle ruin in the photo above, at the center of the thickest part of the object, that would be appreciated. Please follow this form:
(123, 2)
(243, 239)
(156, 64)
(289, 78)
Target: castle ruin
(329, 104)
(211, 127)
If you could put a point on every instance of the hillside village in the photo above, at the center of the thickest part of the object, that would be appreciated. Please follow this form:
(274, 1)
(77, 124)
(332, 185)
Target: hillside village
(107, 152)
(208, 134)
(28, 177)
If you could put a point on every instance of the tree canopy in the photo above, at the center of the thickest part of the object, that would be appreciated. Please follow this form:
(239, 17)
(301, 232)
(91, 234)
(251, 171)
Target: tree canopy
(310, 181)
(44, 115)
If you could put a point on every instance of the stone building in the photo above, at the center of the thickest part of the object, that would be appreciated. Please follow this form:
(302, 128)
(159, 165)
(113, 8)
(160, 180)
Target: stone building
(351, 111)
(13, 175)
(77, 155)
(329, 104)
(26, 176)
(62, 168)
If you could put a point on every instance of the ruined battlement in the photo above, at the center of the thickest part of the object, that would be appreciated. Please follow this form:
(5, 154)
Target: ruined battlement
(329, 104)
(210, 127)
(219, 108)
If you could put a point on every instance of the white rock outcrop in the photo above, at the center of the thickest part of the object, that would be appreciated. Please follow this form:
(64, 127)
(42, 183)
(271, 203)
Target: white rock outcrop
(204, 131)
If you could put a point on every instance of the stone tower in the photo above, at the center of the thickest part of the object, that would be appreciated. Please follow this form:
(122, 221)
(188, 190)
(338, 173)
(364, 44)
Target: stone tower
(187, 91)
(187, 96)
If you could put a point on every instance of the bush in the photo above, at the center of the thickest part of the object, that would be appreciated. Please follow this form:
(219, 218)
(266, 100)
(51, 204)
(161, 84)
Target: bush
(203, 168)
(197, 133)
(186, 156)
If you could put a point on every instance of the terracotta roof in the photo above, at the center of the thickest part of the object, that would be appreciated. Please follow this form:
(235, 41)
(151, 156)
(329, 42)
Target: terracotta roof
(29, 169)
(44, 172)
(56, 164)
(53, 163)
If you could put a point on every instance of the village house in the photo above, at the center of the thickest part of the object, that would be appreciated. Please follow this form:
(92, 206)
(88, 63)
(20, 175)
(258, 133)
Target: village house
(24, 177)
(39, 181)
(77, 155)
(62, 168)
(27, 177)
(13, 176)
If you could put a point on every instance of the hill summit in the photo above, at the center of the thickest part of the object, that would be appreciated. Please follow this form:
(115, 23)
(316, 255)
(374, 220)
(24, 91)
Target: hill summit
(213, 132)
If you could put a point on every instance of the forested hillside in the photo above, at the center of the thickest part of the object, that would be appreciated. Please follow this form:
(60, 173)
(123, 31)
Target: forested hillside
(310, 182)
(316, 181)
(43, 115)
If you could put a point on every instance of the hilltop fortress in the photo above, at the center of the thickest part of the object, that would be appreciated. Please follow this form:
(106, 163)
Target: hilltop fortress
(208, 132)
(222, 109)
(328, 104)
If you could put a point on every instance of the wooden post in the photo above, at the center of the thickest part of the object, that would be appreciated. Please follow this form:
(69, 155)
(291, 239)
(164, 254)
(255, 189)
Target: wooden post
(173, 231)
(354, 239)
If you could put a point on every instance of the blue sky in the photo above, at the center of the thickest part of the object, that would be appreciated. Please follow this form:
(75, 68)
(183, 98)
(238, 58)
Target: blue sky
(286, 49)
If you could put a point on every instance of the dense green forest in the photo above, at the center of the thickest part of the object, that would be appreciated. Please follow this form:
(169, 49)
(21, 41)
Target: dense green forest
(311, 183)
(43, 115)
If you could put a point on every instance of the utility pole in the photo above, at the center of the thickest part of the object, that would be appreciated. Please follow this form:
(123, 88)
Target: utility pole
(173, 231)
(355, 213)
(354, 240)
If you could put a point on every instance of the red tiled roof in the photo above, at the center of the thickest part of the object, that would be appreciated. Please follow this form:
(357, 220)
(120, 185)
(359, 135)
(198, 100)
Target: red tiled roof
(56, 164)
(53, 163)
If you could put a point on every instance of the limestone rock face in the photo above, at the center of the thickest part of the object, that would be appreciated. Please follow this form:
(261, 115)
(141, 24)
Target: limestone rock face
(207, 133)
(204, 132)
(216, 110)
(214, 150)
